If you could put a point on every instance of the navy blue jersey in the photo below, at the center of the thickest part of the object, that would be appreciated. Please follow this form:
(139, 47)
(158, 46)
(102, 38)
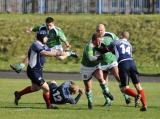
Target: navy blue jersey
(123, 50)
(36, 60)
(127, 67)
(61, 94)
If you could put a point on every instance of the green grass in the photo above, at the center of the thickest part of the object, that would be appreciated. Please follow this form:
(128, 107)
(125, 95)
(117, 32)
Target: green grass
(32, 106)
(144, 35)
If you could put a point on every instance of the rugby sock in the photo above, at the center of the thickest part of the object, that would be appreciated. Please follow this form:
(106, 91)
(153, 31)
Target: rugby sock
(106, 93)
(143, 98)
(25, 91)
(130, 92)
(104, 88)
(89, 96)
(126, 97)
(46, 97)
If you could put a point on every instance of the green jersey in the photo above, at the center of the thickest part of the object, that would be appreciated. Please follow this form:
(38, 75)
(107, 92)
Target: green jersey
(88, 53)
(108, 57)
(55, 36)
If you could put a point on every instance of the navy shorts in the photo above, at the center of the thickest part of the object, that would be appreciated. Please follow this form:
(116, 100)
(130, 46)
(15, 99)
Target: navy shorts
(52, 86)
(35, 76)
(128, 70)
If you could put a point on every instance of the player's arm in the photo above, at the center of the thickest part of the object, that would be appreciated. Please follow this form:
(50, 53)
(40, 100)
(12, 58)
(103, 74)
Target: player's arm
(81, 91)
(90, 54)
(50, 54)
(33, 29)
(63, 39)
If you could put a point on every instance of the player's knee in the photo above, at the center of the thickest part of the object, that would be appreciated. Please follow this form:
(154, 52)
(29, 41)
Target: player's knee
(53, 81)
(124, 88)
(138, 86)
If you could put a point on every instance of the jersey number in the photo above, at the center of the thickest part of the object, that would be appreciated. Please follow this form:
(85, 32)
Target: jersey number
(57, 97)
(125, 49)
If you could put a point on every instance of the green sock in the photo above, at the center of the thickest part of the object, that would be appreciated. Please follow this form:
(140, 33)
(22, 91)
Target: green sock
(125, 96)
(104, 88)
(89, 96)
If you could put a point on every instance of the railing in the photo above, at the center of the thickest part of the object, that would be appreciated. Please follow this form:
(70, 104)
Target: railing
(80, 6)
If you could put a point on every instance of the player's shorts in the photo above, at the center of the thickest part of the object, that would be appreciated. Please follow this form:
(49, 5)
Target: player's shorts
(87, 72)
(109, 66)
(35, 76)
(127, 69)
(57, 48)
(52, 86)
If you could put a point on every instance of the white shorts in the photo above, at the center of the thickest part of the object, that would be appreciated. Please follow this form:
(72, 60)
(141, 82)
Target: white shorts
(87, 72)
(57, 48)
(109, 66)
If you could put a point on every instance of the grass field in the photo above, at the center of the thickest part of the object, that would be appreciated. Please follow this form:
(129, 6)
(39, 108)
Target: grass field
(32, 106)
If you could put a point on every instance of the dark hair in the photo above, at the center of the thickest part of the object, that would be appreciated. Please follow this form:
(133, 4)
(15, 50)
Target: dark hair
(95, 36)
(49, 20)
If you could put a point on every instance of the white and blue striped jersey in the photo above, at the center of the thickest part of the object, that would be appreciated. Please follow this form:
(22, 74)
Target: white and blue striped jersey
(123, 50)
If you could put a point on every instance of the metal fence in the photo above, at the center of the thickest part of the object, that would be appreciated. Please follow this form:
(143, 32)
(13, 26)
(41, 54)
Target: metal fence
(80, 6)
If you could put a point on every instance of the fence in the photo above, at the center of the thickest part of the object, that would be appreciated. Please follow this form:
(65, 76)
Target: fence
(80, 6)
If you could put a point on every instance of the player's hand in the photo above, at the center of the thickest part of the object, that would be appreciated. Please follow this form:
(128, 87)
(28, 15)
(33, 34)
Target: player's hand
(29, 30)
(67, 47)
(81, 91)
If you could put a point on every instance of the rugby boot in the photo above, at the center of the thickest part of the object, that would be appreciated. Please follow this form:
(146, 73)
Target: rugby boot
(17, 67)
(143, 109)
(128, 101)
(108, 103)
(17, 97)
(90, 105)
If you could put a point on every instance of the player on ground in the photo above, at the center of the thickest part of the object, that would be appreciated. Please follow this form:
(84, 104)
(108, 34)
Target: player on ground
(109, 60)
(90, 67)
(55, 39)
(36, 59)
(64, 93)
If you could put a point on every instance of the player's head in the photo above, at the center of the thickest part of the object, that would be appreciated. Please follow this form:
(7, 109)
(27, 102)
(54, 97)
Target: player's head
(49, 23)
(42, 36)
(96, 39)
(100, 29)
(125, 34)
(74, 88)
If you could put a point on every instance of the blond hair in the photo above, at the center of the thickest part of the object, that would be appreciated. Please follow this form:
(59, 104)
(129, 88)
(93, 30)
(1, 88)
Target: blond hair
(125, 34)
(74, 88)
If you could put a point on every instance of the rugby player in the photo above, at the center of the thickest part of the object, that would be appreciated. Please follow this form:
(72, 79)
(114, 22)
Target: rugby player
(64, 93)
(56, 37)
(90, 67)
(36, 58)
(127, 69)
(109, 60)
